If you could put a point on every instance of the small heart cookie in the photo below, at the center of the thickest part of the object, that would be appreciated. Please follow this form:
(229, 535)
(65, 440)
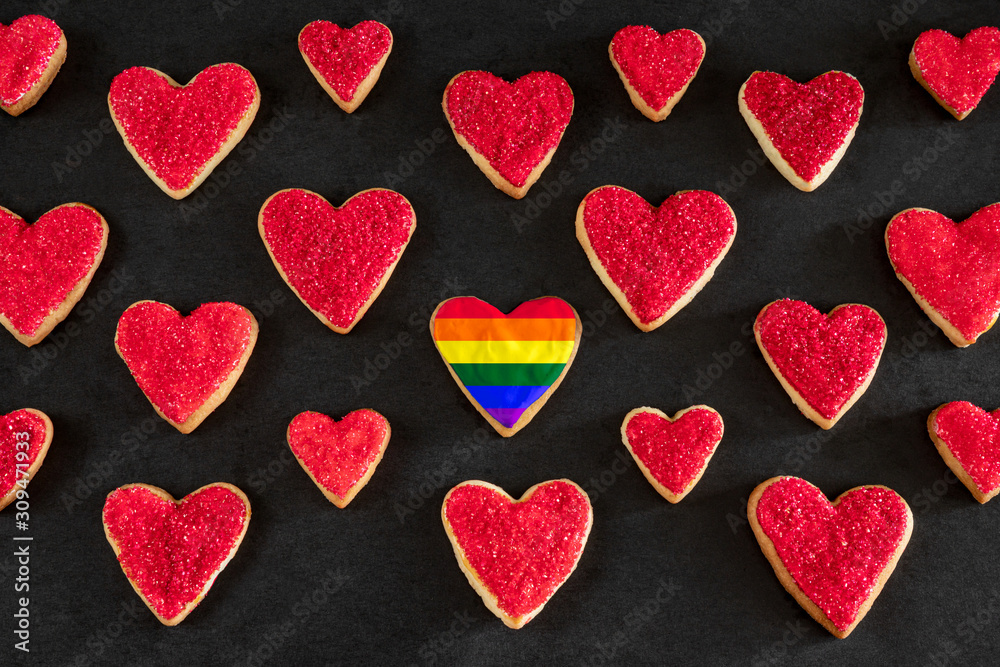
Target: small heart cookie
(46, 267)
(185, 365)
(968, 439)
(511, 130)
(32, 49)
(956, 72)
(672, 452)
(339, 456)
(336, 260)
(172, 550)
(25, 436)
(346, 62)
(804, 128)
(179, 134)
(517, 553)
(951, 269)
(824, 362)
(834, 558)
(507, 365)
(656, 69)
(654, 260)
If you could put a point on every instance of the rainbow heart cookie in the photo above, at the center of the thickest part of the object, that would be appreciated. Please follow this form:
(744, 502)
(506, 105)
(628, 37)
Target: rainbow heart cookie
(32, 49)
(507, 365)
(656, 69)
(179, 134)
(46, 267)
(517, 553)
(511, 130)
(172, 550)
(824, 362)
(346, 62)
(25, 436)
(654, 260)
(968, 439)
(834, 558)
(804, 128)
(956, 72)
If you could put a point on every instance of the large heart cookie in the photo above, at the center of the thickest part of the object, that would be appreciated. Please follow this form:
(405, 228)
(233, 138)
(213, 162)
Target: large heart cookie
(654, 260)
(507, 365)
(172, 550)
(25, 436)
(186, 366)
(339, 456)
(178, 134)
(824, 362)
(956, 72)
(951, 269)
(346, 62)
(32, 49)
(968, 439)
(46, 267)
(672, 452)
(656, 69)
(336, 260)
(511, 130)
(804, 128)
(516, 554)
(834, 558)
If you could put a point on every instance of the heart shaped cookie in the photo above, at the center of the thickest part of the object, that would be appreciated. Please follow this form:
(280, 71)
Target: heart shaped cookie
(804, 128)
(507, 365)
(517, 553)
(956, 72)
(172, 550)
(25, 436)
(179, 134)
(46, 267)
(672, 452)
(346, 62)
(824, 362)
(834, 558)
(185, 365)
(511, 130)
(654, 260)
(32, 49)
(951, 269)
(968, 439)
(656, 69)
(339, 456)
(336, 260)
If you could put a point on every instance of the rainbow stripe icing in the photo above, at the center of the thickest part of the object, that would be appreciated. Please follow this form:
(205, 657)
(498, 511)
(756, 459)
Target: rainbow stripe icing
(506, 362)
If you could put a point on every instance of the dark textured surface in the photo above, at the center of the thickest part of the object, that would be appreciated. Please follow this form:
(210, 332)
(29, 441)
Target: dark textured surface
(399, 597)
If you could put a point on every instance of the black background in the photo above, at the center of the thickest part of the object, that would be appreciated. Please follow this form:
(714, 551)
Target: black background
(399, 597)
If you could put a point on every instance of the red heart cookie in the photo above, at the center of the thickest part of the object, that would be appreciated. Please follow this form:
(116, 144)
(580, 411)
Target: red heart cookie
(346, 62)
(25, 436)
(654, 260)
(672, 452)
(178, 134)
(511, 130)
(186, 366)
(336, 260)
(951, 269)
(46, 267)
(968, 439)
(656, 69)
(834, 558)
(956, 72)
(804, 128)
(824, 362)
(172, 550)
(340, 457)
(32, 49)
(516, 554)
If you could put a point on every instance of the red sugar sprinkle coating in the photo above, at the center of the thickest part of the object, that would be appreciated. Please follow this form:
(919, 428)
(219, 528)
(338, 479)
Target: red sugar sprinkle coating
(177, 131)
(656, 255)
(834, 554)
(806, 122)
(522, 552)
(973, 437)
(172, 550)
(512, 125)
(26, 47)
(338, 454)
(825, 358)
(40, 264)
(959, 71)
(12, 426)
(674, 452)
(657, 66)
(345, 57)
